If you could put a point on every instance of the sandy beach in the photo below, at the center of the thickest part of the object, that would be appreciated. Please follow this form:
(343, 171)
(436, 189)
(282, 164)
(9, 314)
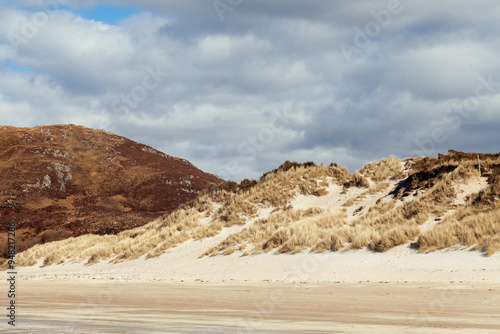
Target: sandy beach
(48, 306)
(400, 291)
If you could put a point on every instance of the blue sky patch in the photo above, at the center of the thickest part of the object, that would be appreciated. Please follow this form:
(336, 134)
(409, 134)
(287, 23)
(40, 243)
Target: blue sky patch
(107, 14)
(13, 66)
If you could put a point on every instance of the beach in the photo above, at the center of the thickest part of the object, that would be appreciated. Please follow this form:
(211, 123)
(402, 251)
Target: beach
(400, 291)
(51, 306)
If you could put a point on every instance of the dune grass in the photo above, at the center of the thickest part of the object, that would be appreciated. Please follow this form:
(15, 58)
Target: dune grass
(386, 224)
(390, 168)
(390, 222)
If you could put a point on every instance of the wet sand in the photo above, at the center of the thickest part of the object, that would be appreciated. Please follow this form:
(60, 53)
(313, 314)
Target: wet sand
(49, 306)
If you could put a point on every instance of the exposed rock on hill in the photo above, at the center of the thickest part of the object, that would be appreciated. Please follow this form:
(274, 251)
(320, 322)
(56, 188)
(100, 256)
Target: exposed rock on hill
(66, 180)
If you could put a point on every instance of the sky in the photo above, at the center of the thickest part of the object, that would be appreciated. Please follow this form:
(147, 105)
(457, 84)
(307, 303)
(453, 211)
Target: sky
(239, 86)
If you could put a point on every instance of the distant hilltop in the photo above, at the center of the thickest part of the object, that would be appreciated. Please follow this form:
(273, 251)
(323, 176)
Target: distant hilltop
(417, 204)
(65, 180)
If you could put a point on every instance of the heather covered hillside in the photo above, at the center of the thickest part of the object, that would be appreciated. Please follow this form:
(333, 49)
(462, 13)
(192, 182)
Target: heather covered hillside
(65, 180)
(423, 204)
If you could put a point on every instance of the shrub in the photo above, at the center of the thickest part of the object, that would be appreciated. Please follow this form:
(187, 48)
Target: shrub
(49, 236)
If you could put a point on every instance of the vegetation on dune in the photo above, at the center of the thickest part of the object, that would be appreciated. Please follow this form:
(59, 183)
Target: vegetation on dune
(455, 158)
(383, 227)
(391, 168)
(224, 206)
(409, 201)
(475, 224)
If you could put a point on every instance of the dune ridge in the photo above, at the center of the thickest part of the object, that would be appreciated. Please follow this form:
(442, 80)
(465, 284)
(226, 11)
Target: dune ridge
(423, 204)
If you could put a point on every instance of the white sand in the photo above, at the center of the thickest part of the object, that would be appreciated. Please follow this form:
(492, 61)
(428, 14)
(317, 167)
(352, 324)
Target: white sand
(182, 263)
(469, 187)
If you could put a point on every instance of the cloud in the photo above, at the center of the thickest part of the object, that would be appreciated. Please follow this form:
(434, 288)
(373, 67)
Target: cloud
(271, 81)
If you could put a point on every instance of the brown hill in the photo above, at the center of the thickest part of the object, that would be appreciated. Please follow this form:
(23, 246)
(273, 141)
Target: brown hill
(66, 180)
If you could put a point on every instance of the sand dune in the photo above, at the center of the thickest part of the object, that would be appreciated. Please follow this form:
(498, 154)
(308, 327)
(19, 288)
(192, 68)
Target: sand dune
(432, 205)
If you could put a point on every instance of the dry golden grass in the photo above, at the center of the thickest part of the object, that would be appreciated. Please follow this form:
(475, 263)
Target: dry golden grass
(359, 180)
(439, 237)
(287, 231)
(372, 191)
(392, 221)
(150, 239)
(291, 231)
(208, 230)
(398, 235)
(381, 207)
(492, 245)
(378, 188)
(479, 231)
(333, 241)
(475, 224)
(383, 227)
(351, 201)
(390, 168)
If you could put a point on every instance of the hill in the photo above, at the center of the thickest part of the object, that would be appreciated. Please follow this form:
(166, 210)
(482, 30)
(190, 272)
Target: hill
(423, 204)
(64, 180)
